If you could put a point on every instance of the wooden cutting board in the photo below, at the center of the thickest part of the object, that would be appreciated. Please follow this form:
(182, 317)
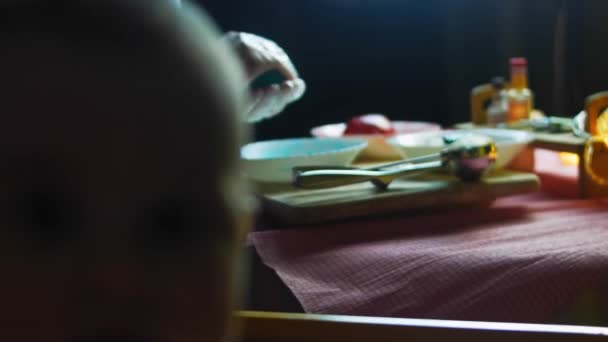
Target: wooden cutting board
(286, 204)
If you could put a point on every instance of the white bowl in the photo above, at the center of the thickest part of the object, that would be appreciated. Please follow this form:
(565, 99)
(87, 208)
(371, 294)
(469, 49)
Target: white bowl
(509, 143)
(377, 148)
(273, 160)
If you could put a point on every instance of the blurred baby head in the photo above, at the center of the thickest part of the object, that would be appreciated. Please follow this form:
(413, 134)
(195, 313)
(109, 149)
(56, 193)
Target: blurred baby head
(121, 205)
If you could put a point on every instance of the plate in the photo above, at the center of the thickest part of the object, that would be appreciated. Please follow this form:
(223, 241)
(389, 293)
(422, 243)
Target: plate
(273, 160)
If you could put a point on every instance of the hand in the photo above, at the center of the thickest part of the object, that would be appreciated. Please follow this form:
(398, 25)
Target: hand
(260, 55)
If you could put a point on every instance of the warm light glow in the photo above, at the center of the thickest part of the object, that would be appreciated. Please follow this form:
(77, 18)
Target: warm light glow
(602, 124)
(568, 158)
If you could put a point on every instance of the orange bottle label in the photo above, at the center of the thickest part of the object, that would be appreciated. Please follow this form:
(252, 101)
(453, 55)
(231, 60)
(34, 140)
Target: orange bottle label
(518, 110)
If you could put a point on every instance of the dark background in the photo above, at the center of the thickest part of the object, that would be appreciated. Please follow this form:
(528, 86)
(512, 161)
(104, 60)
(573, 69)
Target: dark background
(418, 59)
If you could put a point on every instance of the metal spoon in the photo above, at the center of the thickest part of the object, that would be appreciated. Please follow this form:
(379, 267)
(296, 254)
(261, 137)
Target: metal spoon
(468, 158)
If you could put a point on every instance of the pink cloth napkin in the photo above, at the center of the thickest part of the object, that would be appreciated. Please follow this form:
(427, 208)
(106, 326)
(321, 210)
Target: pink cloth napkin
(520, 260)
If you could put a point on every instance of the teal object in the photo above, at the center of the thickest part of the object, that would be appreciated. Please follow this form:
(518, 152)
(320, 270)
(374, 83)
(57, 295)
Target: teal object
(299, 147)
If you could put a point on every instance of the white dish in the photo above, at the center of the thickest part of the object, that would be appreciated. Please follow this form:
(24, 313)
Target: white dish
(377, 147)
(273, 160)
(509, 143)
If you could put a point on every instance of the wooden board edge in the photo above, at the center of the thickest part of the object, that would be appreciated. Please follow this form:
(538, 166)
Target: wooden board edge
(286, 214)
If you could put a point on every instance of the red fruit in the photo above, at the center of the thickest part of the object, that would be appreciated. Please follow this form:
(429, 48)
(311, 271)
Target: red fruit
(369, 124)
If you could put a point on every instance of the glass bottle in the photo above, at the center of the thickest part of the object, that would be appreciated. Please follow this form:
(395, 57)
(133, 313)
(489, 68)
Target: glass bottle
(519, 95)
(498, 109)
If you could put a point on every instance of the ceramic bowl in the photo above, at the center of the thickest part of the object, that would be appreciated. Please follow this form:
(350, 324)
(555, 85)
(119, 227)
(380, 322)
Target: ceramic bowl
(377, 148)
(509, 143)
(273, 160)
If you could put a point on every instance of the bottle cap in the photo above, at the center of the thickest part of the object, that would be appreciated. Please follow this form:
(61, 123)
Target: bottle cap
(498, 82)
(518, 62)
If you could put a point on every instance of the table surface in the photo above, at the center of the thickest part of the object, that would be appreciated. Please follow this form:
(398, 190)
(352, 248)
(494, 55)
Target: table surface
(524, 259)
